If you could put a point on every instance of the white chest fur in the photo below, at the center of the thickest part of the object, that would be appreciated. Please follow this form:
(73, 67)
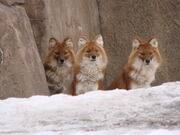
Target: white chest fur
(90, 73)
(85, 86)
(91, 70)
(143, 75)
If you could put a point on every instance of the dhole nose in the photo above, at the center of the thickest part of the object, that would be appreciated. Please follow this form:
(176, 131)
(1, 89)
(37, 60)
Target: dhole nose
(93, 57)
(147, 61)
(62, 61)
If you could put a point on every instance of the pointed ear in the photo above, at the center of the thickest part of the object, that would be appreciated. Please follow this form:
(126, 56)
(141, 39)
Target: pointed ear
(82, 41)
(68, 42)
(153, 42)
(135, 43)
(99, 40)
(52, 42)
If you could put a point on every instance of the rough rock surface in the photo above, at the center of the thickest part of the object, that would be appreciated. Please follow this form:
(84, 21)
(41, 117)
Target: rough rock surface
(121, 21)
(61, 18)
(21, 70)
(11, 2)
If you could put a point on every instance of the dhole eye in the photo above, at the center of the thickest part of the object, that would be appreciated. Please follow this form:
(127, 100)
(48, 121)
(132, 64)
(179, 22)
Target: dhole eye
(96, 50)
(56, 53)
(88, 51)
(65, 53)
(142, 54)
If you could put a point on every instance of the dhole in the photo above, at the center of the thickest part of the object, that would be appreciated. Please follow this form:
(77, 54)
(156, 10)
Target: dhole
(59, 65)
(91, 64)
(141, 67)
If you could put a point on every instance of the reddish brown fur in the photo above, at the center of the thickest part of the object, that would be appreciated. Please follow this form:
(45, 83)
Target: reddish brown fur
(91, 48)
(144, 51)
(59, 51)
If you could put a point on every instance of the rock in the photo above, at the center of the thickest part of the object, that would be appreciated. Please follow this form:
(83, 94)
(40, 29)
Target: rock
(62, 18)
(121, 21)
(11, 2)
(21, 69)
(1, 56)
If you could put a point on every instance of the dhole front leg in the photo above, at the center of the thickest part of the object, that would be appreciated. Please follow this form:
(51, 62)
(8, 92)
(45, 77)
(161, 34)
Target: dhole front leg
(53, 77)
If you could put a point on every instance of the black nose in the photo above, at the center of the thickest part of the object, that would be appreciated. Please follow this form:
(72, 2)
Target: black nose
(62, 61)
(93, 57)
(147, 61)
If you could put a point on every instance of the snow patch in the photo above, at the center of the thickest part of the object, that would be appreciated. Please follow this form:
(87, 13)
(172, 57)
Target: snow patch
(151, 111)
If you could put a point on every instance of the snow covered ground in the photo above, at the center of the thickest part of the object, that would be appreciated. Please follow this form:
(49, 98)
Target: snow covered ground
(152, 111)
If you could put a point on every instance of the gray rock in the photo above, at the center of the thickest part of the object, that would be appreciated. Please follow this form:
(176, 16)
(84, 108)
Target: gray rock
(21, 69)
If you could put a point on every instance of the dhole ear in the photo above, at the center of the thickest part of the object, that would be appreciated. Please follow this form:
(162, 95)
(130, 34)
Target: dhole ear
(99, 40)
(153, 42)
(82, 41)
(52, 42)
(68, 42)
(136, 43)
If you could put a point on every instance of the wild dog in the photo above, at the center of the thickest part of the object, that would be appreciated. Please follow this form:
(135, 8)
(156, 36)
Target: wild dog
(142, 64)
(91, 64)
(59, 65)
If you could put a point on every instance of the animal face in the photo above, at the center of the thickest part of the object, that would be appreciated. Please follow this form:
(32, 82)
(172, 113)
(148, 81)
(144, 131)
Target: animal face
(61, 52)
(92, 51)
(146, 52)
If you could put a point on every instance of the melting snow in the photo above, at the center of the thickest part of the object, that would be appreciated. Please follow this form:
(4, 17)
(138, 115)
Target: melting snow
(152, 111)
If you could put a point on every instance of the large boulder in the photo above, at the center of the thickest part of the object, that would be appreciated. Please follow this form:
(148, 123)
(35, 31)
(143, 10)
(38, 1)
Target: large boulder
(21, 69)
(61, 18)
(121, 21)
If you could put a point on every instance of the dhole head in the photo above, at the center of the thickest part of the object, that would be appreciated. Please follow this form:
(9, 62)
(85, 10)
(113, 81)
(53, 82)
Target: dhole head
(61, 51)
(91, 49)
(145, 51)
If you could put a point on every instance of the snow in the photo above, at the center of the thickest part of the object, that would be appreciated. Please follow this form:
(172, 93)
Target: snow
(151, 111)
